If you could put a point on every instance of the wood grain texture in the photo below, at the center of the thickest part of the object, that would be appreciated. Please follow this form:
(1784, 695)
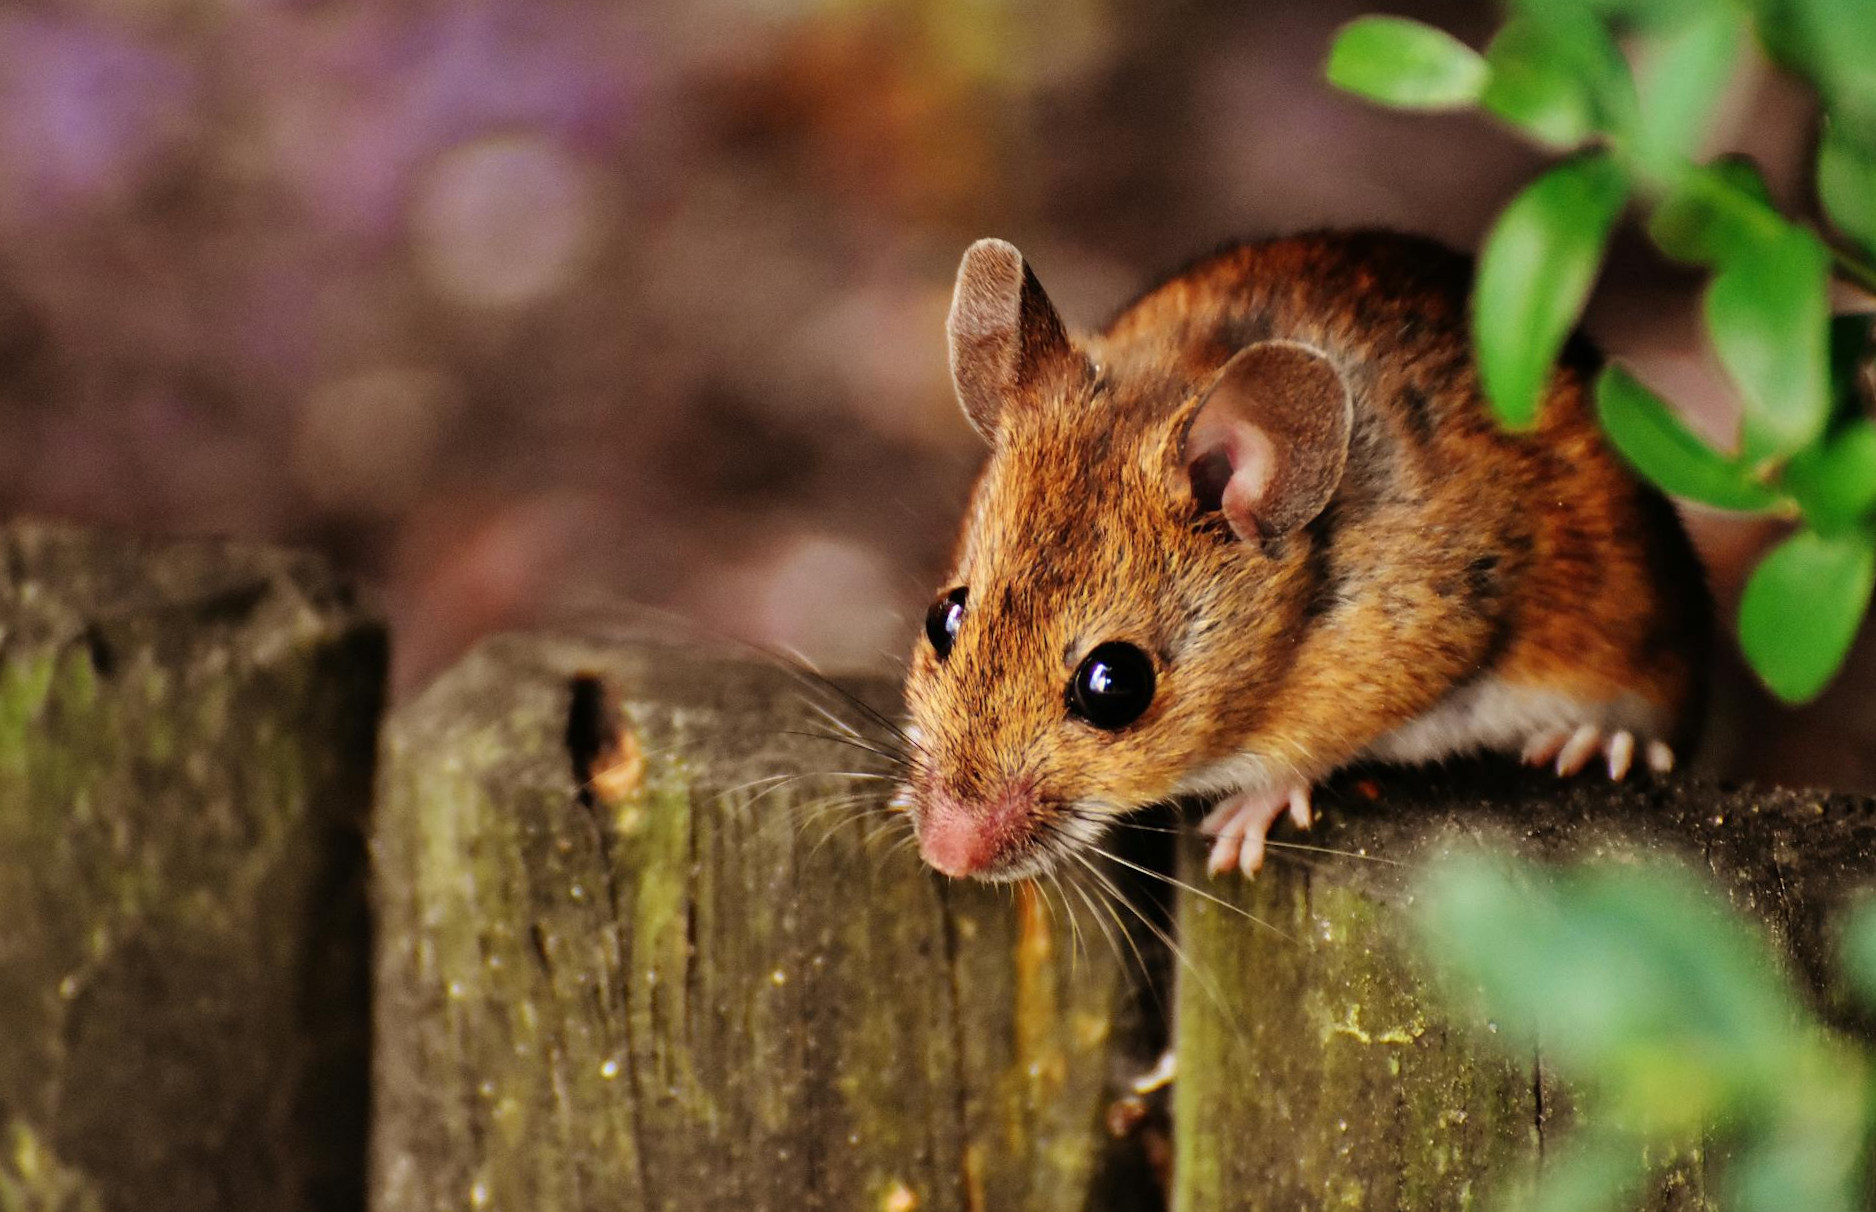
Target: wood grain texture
(684, 986)
(1328, 1075)
(187, 733)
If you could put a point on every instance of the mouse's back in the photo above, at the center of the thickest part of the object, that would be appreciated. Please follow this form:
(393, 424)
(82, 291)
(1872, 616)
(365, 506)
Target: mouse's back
(1253, 528)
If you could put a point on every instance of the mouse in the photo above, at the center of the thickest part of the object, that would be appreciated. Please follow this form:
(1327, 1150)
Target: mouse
(1258, 527)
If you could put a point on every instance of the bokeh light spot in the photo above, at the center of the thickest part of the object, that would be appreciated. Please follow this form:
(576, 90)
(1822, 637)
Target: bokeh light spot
(504, 220)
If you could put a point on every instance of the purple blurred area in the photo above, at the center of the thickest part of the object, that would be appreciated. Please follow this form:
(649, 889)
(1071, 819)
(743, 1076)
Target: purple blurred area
(525, 309)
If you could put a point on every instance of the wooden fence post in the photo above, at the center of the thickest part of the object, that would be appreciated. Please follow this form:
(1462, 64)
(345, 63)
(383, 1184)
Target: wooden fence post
(187, 733)
(640, 946)
(1317, 1070)
(626, 962)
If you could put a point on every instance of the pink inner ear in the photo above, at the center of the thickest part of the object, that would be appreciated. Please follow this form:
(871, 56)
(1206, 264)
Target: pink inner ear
(1231, 461)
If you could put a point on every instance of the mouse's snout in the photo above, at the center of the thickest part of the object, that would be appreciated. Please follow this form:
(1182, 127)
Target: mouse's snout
(975, 838)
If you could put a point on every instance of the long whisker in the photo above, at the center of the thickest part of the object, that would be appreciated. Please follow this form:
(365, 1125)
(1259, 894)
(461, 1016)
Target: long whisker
(1353, 854)
(1193, 890)
(1095, 906)
(1269, 843)
(781, 783)
(845, 727)
(1074, 923)
(1212, 992)
(814, 680)
(897, 759)
(1106, 894)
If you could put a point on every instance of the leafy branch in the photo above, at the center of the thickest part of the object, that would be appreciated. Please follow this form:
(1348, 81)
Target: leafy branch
(1627, 89)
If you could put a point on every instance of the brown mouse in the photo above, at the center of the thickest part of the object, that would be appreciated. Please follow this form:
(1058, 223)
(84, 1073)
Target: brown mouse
(1261, 526)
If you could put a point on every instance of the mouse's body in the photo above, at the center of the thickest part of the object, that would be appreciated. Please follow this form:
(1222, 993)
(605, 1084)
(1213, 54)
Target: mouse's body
(1261, 526)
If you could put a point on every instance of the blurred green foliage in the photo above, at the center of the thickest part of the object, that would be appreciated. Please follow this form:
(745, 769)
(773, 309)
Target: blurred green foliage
(1627, 88)
(1671, 1016)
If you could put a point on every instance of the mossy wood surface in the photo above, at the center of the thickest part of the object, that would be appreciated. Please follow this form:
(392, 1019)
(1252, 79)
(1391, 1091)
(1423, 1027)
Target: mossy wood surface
(187, 733)
(627, 959)
(1315, 1070)
(692, 982)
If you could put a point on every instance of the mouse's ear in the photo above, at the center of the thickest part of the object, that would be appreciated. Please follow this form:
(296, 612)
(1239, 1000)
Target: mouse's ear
(1268, 442)
(1006, 338)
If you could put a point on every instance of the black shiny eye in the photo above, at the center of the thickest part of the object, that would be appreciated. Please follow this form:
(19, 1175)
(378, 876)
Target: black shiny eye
(943, 619)
(1113, 687)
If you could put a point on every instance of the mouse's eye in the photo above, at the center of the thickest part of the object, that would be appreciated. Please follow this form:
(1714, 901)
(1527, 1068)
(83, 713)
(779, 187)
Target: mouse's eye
(1113, 687)
(943, 619)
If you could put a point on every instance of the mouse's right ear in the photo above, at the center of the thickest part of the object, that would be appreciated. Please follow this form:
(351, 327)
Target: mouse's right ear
(1268, 443)
(1007, 341)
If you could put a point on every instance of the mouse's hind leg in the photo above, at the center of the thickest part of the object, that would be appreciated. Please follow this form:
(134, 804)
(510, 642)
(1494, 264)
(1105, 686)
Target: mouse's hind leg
(1571, 749)
(1546, 724)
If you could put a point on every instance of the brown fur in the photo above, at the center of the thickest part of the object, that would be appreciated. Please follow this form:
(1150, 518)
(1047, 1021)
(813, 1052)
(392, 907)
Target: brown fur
(1451, 549)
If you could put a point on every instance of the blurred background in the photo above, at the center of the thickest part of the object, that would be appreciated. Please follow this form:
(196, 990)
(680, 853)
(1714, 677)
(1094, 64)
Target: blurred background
(527, 309)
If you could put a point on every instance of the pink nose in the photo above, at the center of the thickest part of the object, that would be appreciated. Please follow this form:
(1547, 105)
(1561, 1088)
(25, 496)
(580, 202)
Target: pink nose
(963, 839)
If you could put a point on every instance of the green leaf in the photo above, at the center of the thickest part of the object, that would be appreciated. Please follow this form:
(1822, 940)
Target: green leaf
(1829, 42)
(1534, 275)
(1405, 63)
(1846, 185)
(1682, 75)
(1642, 14)
(1636, 981)
(1767, 309)
(1802, 607)
(1594, 1170)
(1652, 438)
(1835, 480)
(1713, 211)
(1558, 78)
(1813, 1162)
(1857, 949)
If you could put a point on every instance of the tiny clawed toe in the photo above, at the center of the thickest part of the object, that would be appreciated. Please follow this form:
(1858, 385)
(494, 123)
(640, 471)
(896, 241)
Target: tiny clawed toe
(1570, 750)
(1577, 750)
(1224, 855)
(1620, 751)
(1301, 811)
(1660, 757)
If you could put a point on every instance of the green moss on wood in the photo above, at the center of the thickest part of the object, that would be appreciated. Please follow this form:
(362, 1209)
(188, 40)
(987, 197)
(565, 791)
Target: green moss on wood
(1317, 1070)
(182, 791)
(707, 992)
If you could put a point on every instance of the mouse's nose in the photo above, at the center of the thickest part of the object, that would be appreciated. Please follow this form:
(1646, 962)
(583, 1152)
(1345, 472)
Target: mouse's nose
(962, 838)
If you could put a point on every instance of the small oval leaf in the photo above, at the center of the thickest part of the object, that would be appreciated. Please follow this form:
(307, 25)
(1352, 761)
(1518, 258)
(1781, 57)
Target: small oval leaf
(1846, 185)
(1405, 63)
(1767, 311)
(1652, 438)
(1630, 14)
(1828, 42)
(1713, 211)
(1802, 607)
(1534, 275)
(1835, 480)
(1556, 77)
(1682, 75)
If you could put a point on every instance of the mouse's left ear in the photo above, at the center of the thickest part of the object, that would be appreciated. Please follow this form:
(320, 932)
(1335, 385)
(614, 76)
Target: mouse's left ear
(1269, 441)
(1007, 342)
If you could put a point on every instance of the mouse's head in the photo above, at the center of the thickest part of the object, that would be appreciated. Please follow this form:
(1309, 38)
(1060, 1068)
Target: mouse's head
(1126, 582)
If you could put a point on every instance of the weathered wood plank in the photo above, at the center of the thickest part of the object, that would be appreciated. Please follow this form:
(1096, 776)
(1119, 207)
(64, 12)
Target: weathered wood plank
(688, 986)
(1325, 1076)
(187, 733)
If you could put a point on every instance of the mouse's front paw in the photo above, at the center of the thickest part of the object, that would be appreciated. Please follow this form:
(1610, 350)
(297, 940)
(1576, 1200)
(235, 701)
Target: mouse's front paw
(1240, 822)
(1571, 750)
